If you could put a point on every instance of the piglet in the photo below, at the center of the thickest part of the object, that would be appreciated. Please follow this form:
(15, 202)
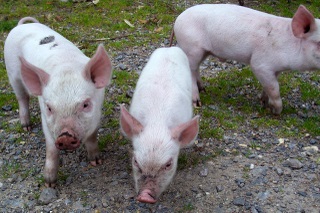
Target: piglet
(160, 121)
(70, 88)
(270, 44)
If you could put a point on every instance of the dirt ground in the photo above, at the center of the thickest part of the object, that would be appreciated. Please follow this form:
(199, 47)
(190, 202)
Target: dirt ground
(283, 178)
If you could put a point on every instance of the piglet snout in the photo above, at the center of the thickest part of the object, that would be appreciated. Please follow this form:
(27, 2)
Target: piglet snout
(146, 196)
(66, 141)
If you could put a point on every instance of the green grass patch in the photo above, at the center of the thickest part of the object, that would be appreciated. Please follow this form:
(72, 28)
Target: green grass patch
(188, 207)
(187, 160)
(9, 168)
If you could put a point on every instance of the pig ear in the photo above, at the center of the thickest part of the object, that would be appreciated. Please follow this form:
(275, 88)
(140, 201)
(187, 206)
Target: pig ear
(129, 124)
(303, 22)
(185, 133)
(33, 77)
(99, 70)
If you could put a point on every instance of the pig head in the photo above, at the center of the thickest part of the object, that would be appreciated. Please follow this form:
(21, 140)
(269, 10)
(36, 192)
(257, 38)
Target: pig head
(70, 101)
(154, 166)
(270, 44)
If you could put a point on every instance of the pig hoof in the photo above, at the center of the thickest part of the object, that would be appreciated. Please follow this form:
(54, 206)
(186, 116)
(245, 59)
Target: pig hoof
(50, 185)
(26, 127)
(146, 197)
(197, 104)
(96, 162)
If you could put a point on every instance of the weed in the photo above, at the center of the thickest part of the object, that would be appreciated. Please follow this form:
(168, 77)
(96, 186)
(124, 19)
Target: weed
(62, 176)
(188, 207)
(10, 168)
(40, 179)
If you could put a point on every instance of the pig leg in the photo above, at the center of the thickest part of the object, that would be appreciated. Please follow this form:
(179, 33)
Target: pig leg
(195, 58)
(52, 157)
(93, 149)
(23, 100)
(271, 92)
(52, 164)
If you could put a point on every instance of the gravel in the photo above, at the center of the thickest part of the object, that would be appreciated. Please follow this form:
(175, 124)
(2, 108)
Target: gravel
(284, 178)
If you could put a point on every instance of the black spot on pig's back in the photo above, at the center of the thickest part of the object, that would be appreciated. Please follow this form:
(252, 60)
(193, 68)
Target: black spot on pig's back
(46, 40)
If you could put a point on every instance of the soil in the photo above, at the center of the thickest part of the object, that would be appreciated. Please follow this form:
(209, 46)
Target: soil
(283, 178)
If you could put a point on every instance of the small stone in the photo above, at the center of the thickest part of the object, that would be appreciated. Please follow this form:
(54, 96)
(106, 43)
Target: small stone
(122, 66)
(83, 164)
(313, 141)
(78, 205)
(119, 57)
(251, 166)
(13, 121)
(294, 163)
(239, 201)
(104, 202)
(259, 209)
(302, 193)
(252, 156)
(240, 182)
(128, 196)
(263, 195)
(11, 180)
(253, 210)
(6, 108)
(219, 188)
(67, 202)
(129, 94)
(48, 195)
(249, 193)
(204, 172)
(311, 149)
(279, 171)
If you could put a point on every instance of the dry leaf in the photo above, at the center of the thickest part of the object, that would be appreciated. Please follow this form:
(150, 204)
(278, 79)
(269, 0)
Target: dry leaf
(128, 23)
(281, 141)
(159, 29)
(143, 21)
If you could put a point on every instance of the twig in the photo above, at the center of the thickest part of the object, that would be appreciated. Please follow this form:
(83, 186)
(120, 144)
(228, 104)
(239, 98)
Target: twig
(113, 38)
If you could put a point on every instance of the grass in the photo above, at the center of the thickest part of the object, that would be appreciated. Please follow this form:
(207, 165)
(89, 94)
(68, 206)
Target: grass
(231, 100)
(9, 168)
(188, 207)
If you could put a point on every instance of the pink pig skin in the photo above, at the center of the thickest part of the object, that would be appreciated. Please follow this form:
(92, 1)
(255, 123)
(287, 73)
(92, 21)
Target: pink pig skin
(70, 88)
(160, 121)
(270, 44)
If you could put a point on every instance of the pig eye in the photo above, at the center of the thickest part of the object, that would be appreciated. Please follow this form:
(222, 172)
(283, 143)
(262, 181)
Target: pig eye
(49, 109)
(86, 105)
(135, 162)
(168, 165)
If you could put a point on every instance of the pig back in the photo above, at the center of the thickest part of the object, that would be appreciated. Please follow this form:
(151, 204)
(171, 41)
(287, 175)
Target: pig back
(42, 46)
(230, 31)
(164, 89)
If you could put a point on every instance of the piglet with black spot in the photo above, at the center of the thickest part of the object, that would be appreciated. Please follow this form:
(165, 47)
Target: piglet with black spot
(69, 85)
